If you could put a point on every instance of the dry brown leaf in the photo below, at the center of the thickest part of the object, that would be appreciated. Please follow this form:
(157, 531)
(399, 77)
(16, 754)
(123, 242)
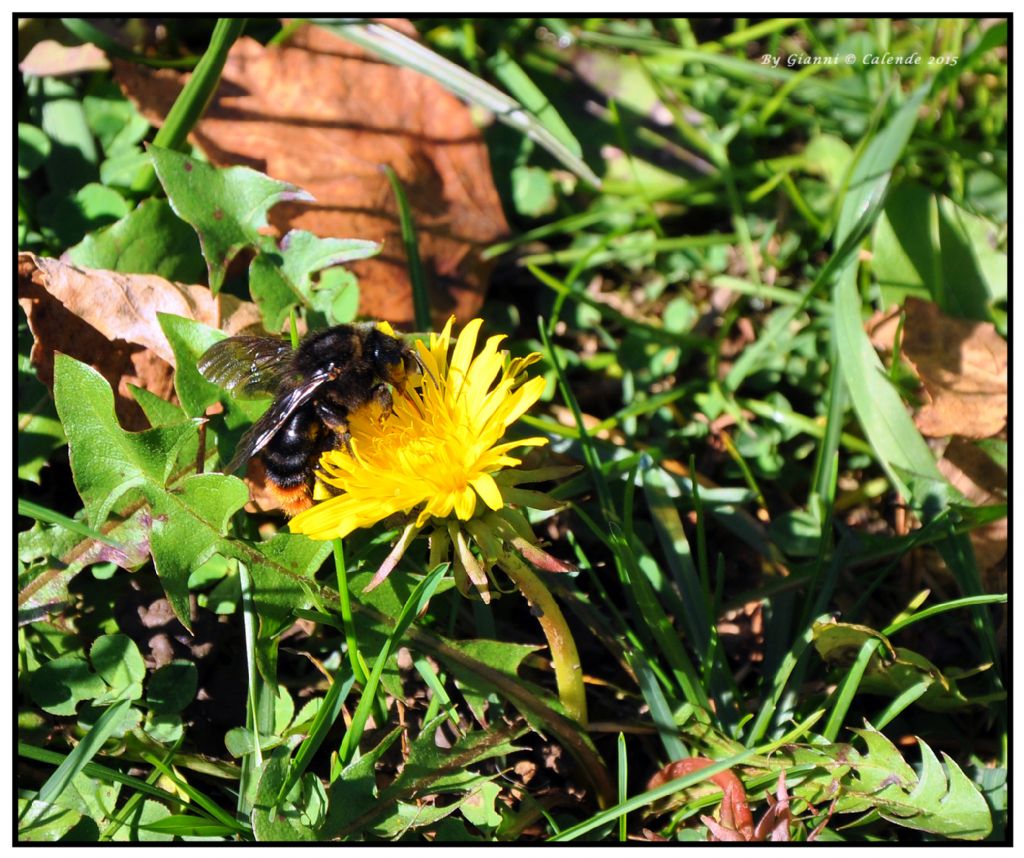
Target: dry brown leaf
(322, 114)
(982, 482)
(50, 58)
(962, 365)
(735, 820)
(109, 320)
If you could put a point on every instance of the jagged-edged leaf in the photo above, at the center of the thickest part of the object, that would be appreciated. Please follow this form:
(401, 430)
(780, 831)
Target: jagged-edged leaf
(941, 801)
(226, 207)
(148, 240)
(189, 515)
(892, 670)
(283, 278)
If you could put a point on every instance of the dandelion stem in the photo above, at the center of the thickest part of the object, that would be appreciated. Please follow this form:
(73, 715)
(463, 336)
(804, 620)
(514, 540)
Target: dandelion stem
(566, 660)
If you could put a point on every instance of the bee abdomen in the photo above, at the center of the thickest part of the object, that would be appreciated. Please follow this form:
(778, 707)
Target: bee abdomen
(293, 452)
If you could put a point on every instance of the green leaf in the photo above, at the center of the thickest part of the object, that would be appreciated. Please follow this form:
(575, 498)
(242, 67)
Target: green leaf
(902, 451)
(533, 192)
(33, 149)
(299, 816)
(40, 822)
(136, 824)
(941, 801)
(73, 156)
(927, 245)
(83, 752)
(172, 687)
(110, 464)
(354, 792)
(890, 672)
(165, 728)
(113, 118)
(478, 806)
(70, 216)
(60, 684)
(119, 663)
(189, 339)
(282, 278)
(148, 240)
(227, 207)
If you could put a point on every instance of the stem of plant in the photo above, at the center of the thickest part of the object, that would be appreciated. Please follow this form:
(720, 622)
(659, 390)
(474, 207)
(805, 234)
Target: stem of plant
(564, 656)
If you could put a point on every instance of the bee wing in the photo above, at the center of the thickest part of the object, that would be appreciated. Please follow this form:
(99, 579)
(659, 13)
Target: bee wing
(259, 434)
(249, 367)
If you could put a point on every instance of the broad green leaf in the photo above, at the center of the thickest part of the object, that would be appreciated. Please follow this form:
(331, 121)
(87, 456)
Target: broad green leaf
(929, 246)
(899, 446)
(33, 149)
(299, 816)
(165, 728)
(227, 207)
(172, 687)
(71, 215)
(119, 663)
(108, 463)
(39, 430)
(478, 806)
(533, 192)
(354, 792)
(282, 278)
(73, 156)
(62, 683)
(112, 117)
(189, 339)
(41, 822)
(145, 813)
(148, 240)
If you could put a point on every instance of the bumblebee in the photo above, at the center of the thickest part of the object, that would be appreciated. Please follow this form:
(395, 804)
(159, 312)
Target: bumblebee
(315, 387)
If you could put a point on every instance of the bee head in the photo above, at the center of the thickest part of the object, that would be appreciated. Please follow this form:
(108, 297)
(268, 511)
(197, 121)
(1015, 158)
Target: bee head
(393, 361)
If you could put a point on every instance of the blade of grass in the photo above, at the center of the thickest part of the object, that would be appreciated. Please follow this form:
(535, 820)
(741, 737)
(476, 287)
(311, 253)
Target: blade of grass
(84, 751)
(623, 768)
(396, 48)
(843, 696)
(193, 100)
(661, 712)
(325, 718)
(416, 602)
(420, 299)
(195, 795)
(642, 600)
(665, 790)
(29, 509)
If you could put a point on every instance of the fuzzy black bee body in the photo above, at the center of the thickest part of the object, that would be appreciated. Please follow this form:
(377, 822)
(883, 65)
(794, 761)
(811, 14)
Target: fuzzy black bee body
(315, 387)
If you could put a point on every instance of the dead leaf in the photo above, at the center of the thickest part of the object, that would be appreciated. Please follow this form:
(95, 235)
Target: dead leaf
(982, 482)
(735, 820)
(322, 114)
(962, 365)
(109, 320)
(49, 58)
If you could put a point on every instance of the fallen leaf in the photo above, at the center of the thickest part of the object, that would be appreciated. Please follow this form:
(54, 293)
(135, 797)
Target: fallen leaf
(735, 820)
(50, 58)
(320, 113)
(973, 473)
(109, 320)
(962, 365)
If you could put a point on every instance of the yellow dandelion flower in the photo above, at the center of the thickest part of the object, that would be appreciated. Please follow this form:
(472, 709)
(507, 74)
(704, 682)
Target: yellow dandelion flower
(438, 451)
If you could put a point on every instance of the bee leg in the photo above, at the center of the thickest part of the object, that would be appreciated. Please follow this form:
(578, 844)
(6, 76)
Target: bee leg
(335, 419)
(382, 395)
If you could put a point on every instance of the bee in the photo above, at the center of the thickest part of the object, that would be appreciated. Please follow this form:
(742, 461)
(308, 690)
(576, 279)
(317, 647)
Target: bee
(315, 387)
